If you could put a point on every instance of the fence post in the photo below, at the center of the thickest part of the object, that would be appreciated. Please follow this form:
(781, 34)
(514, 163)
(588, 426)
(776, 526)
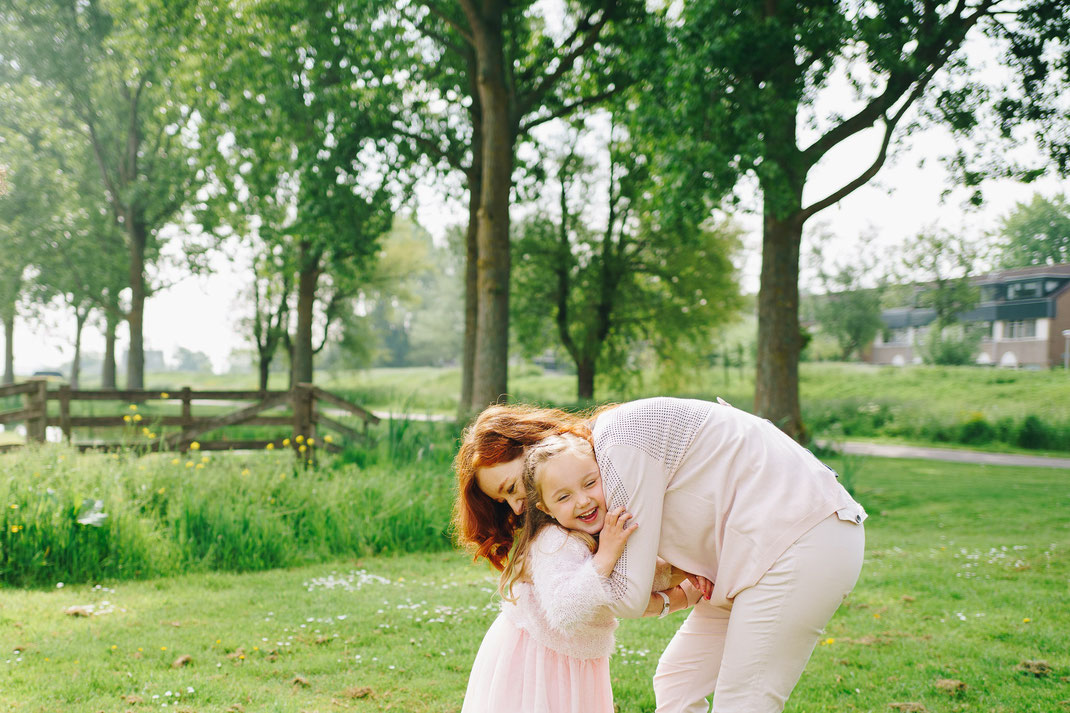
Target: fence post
(37, 403)
(65, 411)
(187, 414)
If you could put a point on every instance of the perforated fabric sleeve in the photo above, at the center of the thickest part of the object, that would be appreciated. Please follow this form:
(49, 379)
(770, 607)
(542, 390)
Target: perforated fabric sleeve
(633, 576)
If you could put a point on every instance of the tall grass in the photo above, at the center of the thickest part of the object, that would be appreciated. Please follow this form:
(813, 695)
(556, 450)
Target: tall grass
(170, 513)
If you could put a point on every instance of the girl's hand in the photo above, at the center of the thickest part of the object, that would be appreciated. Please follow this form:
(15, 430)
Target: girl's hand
(703, 585)
(615, 533)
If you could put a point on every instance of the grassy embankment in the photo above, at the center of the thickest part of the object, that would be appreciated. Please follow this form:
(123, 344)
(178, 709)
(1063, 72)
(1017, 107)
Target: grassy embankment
(960, 608)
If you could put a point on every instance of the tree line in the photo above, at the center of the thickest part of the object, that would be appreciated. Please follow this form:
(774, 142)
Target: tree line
(300, 127)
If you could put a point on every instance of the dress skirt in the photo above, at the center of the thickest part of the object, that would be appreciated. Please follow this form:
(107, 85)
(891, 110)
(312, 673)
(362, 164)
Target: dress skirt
(514, 673)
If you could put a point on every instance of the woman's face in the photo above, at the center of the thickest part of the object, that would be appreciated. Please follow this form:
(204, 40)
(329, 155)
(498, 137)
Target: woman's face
(504, 483)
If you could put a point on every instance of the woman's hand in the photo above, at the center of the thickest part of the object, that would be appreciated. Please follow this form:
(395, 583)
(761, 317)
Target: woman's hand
(700, 584)
(615, 533)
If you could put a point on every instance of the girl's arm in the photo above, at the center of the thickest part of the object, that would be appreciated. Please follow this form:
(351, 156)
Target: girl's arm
(568, 587)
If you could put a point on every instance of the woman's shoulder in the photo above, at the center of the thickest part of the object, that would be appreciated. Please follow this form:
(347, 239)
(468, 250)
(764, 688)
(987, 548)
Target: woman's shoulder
(644, 416)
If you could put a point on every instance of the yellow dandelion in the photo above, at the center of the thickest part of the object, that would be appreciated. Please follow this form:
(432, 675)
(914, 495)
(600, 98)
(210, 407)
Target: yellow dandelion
(282, 476)
(200, 466)
(145, 430)
(876, 616)
(311, 441)
(302, 448)
(256, 648)
(270, 447)
(219, 641)
(1026, 620)
(14, 506)
(285, 441)
(163, 648)
(161, 491)
(61, 459)
(242, 657)
(205, 459)
(189, 464)
(328, 439)
(176, 461)
(115, 456)
(137, 417)
(164, 395)
(195, 446)
(140, 649)
(14, 528)
(127, 418)
(113, 647)
(830, 640)
(300, 438)
(47, 659)
(245, 471)
(133, 407)
(151, 435)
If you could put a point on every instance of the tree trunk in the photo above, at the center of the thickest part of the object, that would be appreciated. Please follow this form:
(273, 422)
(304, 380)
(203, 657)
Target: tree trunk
(471, 282)
(9, 347)
(76, 363)
(776, 388)
(491, 359)
(265, 368)
(107, 369)
(135, 360)
(585, 379)
(306, 298)
(471, 241)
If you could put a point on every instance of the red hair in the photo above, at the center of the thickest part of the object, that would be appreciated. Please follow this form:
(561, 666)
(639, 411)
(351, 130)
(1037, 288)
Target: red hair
(500, 434)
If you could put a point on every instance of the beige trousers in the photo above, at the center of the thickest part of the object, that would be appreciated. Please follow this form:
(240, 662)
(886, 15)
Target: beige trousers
(750, 654)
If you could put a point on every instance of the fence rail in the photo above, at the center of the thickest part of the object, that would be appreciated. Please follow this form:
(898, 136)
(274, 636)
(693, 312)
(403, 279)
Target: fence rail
(305, 418)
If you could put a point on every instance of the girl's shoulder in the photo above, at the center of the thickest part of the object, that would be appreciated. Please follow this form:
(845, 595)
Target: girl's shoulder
(554, 539)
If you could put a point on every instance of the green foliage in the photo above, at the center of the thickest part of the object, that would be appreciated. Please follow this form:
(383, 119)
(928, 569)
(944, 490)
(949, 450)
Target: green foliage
(850, 309)
(600, 293)
(173, 513)
(955, 345)
(1036, 233)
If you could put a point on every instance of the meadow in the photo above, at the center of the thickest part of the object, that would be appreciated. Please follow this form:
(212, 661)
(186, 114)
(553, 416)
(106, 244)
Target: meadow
(960, 607)
(975, 407)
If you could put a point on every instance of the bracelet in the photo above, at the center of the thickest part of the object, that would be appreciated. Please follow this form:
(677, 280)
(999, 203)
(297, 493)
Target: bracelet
(665, 604)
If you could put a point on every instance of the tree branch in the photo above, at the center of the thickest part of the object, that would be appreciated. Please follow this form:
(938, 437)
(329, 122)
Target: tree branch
(566, 109)
(469, 10)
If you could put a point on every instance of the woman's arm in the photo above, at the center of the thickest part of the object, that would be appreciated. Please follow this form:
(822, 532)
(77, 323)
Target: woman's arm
(636, 481)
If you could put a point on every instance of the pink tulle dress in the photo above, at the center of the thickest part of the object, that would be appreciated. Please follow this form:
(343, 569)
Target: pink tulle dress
(549, 651)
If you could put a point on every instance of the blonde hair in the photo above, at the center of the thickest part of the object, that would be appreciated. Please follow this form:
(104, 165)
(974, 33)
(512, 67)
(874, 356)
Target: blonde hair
(536, 458)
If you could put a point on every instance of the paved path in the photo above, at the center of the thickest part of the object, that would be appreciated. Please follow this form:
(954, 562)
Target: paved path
(886, 450)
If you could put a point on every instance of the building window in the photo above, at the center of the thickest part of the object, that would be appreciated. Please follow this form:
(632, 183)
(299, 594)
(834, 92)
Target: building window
(1021, 290)
(985, 329)
(898, 336)
(1051, 286)
(1021, 329)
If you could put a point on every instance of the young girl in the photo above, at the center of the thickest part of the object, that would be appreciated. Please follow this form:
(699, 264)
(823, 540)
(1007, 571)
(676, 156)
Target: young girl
(548, 651)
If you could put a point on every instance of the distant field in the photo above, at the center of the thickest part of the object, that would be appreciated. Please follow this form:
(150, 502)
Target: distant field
(960, 608)
(956, 405)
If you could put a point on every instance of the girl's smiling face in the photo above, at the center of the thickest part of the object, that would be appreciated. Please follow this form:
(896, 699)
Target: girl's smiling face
(570, 489)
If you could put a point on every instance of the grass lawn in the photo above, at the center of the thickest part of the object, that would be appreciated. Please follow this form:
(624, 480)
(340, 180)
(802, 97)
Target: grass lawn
(961, 607)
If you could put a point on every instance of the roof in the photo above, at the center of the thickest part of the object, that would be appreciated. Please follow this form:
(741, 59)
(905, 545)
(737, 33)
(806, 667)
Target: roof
(1060, 270)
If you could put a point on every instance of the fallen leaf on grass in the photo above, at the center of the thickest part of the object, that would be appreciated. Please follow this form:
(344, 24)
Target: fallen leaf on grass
(1040, 669)
(300, 680)
(357, 692)
(908, 707)
(132, 699)
(236, 708)
(182, 661)
(78, 611)
(907, 599)
(950, 686)
(322, 639)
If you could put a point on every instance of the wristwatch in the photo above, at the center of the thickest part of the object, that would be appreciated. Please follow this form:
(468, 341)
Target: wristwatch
(664, 605)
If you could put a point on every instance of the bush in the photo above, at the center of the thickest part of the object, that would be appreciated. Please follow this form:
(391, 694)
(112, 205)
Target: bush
(976, 431)
(1033, 433)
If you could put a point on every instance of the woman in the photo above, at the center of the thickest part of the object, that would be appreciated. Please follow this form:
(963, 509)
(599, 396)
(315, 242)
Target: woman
(716, 492)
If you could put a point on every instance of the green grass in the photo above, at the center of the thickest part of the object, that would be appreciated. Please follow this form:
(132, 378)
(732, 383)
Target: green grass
(958, 558)
(169, 513)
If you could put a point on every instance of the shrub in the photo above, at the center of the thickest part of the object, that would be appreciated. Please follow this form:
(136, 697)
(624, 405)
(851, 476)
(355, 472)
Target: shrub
(1033, 433)
(976, 431)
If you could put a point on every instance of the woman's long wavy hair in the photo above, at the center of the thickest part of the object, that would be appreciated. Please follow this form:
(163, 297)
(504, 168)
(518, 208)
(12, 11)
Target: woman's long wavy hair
(500, 434)
(537, 460)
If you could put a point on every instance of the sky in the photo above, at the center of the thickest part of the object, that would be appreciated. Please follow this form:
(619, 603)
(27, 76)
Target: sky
(203, 313)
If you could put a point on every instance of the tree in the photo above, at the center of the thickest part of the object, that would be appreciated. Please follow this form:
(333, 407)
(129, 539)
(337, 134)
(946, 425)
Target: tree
(111, 71)
(1036, 233)
(636, 280)
(742, 95)
(523, 77)
(295, 148)
(943, 263)
(850, 308)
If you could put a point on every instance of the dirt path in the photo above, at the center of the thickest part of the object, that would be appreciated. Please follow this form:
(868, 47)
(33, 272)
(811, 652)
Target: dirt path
(885, 450)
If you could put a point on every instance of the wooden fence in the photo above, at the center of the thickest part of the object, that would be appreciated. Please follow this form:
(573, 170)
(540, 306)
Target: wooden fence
(305, 419)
